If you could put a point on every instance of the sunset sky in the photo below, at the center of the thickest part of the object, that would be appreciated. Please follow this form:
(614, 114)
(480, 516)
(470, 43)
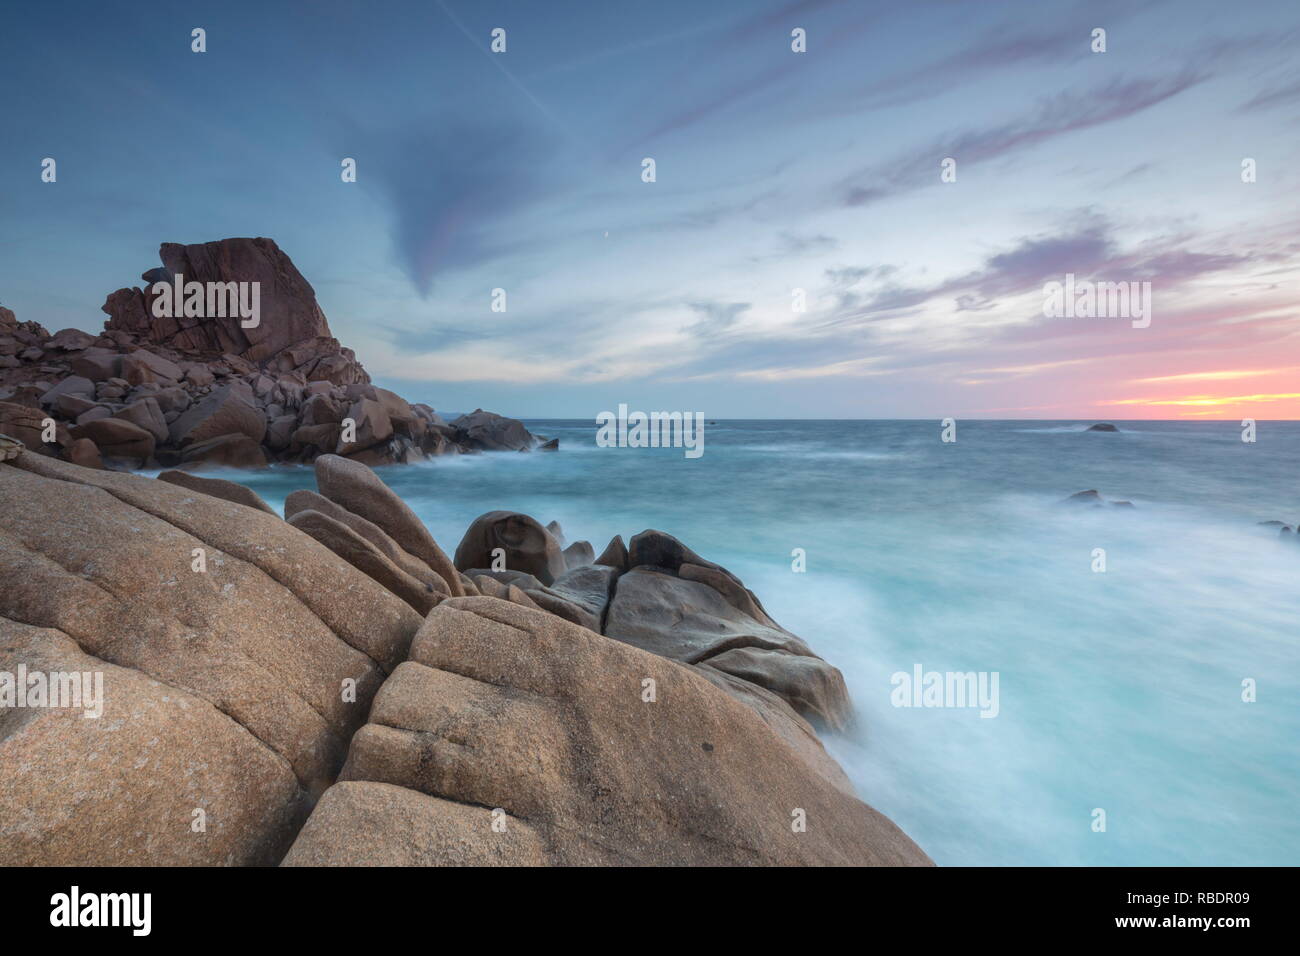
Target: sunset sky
(775, 171)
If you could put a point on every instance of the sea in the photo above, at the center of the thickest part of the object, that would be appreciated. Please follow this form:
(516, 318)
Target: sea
(1147, 659)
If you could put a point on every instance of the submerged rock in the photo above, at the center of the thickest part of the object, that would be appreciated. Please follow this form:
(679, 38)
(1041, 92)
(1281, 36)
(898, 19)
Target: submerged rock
(1090, 498)
(1102, 427)
(1093, 499)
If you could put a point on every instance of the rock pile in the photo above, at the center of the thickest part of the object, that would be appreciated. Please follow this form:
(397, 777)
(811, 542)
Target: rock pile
(184, 392)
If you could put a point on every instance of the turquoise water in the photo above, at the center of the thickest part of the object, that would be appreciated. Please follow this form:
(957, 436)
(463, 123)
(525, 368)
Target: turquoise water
(1118, 690)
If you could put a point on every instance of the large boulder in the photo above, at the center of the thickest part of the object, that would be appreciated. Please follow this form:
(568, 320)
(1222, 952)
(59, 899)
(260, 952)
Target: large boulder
(126, 788)
(97, 364)
(510, 736)
(368, 559)
(685, 620)
(70, 340)
(785, 722)
(240, 657)
(116, 438)
(147, 415)
(27, 425)
(353, 486)
(814, 688)
(691, 622)
(305, 500)
(487, 431)
(142, 366)
(227, 410)
(526, 545)
(578, 554)
(74, 385)
(224, 451)
(288, 310)
(370, 426)
(580, 595)
(660, 550)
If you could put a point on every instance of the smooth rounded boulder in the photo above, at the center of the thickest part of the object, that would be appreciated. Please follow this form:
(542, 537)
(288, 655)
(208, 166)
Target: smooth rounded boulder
(521, 539)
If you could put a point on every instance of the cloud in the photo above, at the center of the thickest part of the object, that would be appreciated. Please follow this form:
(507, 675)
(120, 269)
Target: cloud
(715, 317)
(453, 186)
(994, 51)
(1054, 117)
(1278, 96)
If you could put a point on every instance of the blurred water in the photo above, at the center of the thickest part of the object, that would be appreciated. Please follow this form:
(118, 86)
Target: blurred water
(1119, 690)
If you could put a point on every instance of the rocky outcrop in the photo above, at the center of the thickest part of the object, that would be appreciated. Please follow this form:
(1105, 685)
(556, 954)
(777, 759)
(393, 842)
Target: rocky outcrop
(1285, 531)
(512, 737)
(486, 431)
(238, 657)
(271, 680)
(282, 389)
(1102, 427)
(661, 596)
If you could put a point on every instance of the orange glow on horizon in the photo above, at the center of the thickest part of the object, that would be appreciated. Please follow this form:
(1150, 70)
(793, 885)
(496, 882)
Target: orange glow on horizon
(1195, 406)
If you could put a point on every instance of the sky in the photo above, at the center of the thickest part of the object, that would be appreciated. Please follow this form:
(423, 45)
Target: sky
(775, 171)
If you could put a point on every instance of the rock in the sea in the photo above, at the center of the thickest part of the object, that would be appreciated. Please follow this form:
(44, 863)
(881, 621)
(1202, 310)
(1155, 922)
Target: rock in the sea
(589, 587)
(1102, 427)
(1089, 498)
(490, 432)
(659, 550)
(310, 501)
(507, 713)
(814, 688)
(689, 621)
(785, 723)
